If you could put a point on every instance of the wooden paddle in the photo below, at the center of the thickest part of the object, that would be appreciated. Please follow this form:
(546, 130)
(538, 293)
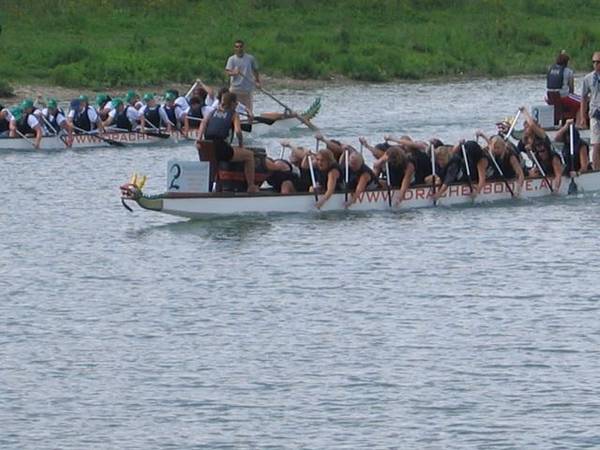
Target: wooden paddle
(346, 175)
(268, 94)
(433, 186)
(96, 135)
(312, 173)
(572, 185)
(54, 130)
(26, 138)
(512, 126)
(388, 182)
(506, 183)
(539, 166)
(464, 153)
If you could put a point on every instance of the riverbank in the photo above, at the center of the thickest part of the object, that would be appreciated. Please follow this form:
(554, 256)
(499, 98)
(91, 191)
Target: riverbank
(104, 44)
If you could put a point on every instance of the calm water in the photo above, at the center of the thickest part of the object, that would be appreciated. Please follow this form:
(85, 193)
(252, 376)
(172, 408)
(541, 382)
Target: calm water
(446, 328)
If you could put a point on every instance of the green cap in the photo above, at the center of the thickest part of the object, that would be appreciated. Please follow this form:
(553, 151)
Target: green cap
(52, 103)
(101, 98)
(16, 112)
(130, 96)
(169, 96)
(148, 97)
(84, 98)
(27, 103)
(116, 102)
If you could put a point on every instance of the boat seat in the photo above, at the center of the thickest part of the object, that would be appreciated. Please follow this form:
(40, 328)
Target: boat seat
(229, 176)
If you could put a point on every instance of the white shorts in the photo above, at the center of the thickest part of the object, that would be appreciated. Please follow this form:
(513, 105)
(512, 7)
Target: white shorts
(594, 131)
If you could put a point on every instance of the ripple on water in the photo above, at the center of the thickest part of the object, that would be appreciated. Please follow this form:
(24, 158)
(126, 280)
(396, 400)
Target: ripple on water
(441, 328)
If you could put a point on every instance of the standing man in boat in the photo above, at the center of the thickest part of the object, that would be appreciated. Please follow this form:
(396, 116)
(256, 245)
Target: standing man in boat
(242, 69)
(561, 79)
(590, 95)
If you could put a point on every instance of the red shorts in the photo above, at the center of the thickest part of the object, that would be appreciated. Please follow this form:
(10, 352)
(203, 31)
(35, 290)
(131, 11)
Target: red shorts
(571, 103)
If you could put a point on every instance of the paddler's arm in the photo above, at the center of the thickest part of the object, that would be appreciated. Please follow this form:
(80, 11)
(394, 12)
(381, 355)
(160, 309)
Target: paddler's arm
(38, 136)
(408, 174)
(363, 181)
(237, 128)
(336, 149)
(558, 169)
(539, 131)
(481, 134)
(332, 178)
(374, 150)
(379, 163)
(482, 165)
(516, 165)
(562, 130)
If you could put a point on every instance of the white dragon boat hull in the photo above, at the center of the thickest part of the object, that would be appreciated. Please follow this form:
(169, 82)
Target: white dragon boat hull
(82, 141)
(194, 206)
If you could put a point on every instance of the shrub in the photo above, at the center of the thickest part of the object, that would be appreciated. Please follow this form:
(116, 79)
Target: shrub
(6, 89)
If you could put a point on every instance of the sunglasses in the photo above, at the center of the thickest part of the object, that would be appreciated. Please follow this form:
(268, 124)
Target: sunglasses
(595, 62)
(239, 46)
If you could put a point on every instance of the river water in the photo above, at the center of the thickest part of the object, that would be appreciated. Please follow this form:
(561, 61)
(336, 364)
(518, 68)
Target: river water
(472, 327)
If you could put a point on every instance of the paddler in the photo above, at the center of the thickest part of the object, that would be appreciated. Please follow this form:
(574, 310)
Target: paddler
(150, 113)
(360, 177)
(25, 123)
(123, 117)
(456, 170)
(328, 176)
(82, 116)
(171, 114)
(55, 121)
(506, 159)
(5, 117)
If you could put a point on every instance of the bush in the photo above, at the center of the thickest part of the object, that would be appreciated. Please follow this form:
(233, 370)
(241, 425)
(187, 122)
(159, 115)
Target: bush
(6, 89)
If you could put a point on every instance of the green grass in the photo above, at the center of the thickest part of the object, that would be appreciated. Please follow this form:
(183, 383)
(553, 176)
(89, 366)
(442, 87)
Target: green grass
(103, 43)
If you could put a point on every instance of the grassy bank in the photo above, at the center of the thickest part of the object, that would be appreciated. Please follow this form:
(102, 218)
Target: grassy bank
(104, 43)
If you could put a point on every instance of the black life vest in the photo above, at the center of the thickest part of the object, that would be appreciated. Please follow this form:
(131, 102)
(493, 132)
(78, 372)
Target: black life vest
(547, 164)
(170, 111)
(23, 125)
(504, 164)
(122, 121)
(554, 79)
(219, 124)
(52, 119)
(322, 176)
(396, 175)
(4, 125)
(354, 176)
(577, 147)
(152, 116)
(422, 166)
(82, 120)
(474, 155)
(195, 112)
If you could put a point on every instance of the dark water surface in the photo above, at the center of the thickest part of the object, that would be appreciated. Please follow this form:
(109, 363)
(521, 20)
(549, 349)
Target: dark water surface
(471, 327)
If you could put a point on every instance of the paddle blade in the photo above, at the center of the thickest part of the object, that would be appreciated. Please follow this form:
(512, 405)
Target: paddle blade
(114, 143)
(572, 187)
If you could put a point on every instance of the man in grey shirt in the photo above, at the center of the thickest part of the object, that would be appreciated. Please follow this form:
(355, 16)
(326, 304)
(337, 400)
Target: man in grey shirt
(590, 94)
(243, 75)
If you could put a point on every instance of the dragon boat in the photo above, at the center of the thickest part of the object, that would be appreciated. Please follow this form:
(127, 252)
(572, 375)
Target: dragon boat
(121, 138)
(193, 192)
